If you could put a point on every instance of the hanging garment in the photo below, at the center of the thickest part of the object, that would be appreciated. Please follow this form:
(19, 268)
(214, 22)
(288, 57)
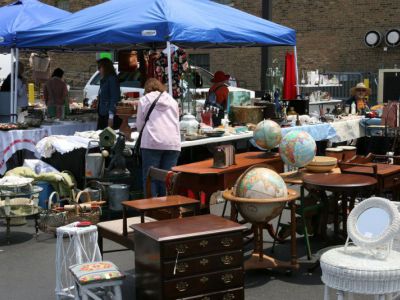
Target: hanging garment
(289, 83)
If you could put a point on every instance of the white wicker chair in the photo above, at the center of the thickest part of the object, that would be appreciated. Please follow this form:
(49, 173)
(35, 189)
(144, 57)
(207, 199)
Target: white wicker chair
(360, 269)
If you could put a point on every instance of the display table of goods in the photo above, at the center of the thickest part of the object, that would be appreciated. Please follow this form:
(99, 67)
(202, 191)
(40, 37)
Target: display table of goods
(125, 110)
(18, 199)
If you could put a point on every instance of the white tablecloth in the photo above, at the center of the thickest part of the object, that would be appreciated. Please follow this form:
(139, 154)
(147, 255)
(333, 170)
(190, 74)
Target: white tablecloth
(347, 130)
(14, 140)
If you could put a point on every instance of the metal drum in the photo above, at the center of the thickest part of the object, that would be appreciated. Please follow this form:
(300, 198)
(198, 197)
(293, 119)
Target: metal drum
(116, 194)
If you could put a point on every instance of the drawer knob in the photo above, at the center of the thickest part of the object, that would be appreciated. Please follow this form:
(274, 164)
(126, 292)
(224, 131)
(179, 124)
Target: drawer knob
(227, 259)
(203, 243)
(182, 267)
(181, 248)
(182, 286)
(204, 261)
(203, 279)
(228, 296)
(226, 242)
(227, 278)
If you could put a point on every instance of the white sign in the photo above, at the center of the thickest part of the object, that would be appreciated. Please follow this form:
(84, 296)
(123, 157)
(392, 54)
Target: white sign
(149, 32)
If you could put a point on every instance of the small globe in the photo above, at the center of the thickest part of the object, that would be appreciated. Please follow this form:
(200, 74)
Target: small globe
(268, 134)
(297, 148)
(260, 183)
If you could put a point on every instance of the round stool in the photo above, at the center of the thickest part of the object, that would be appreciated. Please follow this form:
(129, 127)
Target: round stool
(81, 247)
(334, 152)
(90, 277)
(348, 152)
(358, 271)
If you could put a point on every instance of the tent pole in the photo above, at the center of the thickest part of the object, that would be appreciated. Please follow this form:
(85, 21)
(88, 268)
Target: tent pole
(12, 85)
(169, 68)
(16, 83)
(297, 71)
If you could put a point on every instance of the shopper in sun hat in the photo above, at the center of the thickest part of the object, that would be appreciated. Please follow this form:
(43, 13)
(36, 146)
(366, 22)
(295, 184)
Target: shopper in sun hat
(359, 95)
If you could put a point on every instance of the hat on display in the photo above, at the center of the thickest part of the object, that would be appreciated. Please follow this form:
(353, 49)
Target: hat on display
(220, 76)
(360, 86)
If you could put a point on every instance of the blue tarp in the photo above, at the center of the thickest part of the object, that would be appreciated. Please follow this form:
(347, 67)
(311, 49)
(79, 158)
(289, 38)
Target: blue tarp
(150, 23)
(23, 15)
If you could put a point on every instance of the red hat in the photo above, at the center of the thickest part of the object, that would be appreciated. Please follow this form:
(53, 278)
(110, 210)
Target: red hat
(220, 76)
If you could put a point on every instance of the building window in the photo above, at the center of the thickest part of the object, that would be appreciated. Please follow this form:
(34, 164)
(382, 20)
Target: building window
(63, 4)
(200, 60)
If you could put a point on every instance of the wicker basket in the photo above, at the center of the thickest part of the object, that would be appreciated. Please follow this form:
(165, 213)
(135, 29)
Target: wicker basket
(50, 219)
(88, 211)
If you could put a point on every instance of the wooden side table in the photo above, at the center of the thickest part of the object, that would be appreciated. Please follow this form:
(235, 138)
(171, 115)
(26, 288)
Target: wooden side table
(202, 177)
(388, 176)
(343, 186)
(144, 205)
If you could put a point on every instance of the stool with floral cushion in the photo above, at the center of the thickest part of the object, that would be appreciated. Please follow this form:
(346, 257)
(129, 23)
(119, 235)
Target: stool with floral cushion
(97, 280)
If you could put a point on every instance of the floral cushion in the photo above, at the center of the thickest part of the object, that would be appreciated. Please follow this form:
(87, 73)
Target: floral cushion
(96, 272)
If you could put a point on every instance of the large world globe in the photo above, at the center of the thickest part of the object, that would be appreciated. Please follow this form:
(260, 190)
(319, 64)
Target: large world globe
(262, 185)
(268, 134)
(297, 148)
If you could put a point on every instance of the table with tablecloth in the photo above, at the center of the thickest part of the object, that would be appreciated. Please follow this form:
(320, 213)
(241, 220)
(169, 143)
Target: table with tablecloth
(14, 140)
(348, 129)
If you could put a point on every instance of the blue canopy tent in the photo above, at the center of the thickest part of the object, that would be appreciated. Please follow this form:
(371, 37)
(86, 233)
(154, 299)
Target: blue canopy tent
(119, 24)
(23, 15)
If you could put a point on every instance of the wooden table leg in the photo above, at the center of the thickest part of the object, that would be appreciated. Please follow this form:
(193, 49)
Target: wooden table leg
(8, 220)
(36, 226)
(293, 234)
(324, 216)
(336, 198)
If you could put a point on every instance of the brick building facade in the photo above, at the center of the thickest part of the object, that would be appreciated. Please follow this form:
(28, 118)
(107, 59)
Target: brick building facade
(330, 37)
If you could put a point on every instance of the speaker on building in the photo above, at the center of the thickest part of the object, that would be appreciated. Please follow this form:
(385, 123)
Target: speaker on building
(392, 37)
(373, 38)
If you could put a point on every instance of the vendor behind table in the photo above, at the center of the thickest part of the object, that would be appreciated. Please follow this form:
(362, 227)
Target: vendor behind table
(22, 97)
(359, 95)
(109, 95)
(55, 93)
(218, 96)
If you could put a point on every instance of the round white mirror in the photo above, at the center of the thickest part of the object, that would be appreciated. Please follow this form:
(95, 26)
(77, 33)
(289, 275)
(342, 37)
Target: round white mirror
(373, 222)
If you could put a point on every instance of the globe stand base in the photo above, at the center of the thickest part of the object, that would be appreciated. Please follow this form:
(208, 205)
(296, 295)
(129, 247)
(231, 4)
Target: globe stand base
(267, 262)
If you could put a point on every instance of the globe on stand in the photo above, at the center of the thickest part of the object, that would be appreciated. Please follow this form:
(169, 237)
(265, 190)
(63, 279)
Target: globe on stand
(260, 195)
(267, 135)
(297, 148)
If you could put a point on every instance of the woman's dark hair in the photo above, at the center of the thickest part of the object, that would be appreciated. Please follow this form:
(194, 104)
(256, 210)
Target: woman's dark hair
(153, 85)
(58, 73)
(107, 65)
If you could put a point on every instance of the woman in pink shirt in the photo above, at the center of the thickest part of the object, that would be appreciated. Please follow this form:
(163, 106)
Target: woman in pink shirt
(55, 94)
(161, 141)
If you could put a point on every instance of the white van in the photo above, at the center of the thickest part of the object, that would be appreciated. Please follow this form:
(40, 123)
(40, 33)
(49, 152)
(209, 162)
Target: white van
(131, 83)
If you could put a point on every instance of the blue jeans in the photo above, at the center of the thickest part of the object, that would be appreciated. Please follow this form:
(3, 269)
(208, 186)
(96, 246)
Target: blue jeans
(161, 159)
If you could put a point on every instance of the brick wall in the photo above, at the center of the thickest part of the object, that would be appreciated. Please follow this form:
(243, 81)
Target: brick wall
(330, 34)
(330, 37)
(242, 63)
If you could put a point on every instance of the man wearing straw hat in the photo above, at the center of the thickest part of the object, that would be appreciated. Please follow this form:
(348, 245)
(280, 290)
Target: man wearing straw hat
(359, 95)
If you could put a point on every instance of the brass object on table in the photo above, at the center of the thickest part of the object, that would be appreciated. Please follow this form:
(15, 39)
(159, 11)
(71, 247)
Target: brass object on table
(247, 114)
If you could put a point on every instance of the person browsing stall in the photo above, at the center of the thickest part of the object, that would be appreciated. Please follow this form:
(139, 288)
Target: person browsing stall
(109, 95)
(219, 90)
(55, 93)
(161, 142)
(22, 96)
(359, 95)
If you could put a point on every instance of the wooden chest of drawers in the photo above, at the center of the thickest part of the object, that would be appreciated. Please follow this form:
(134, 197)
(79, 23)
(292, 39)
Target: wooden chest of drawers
(197, 257)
